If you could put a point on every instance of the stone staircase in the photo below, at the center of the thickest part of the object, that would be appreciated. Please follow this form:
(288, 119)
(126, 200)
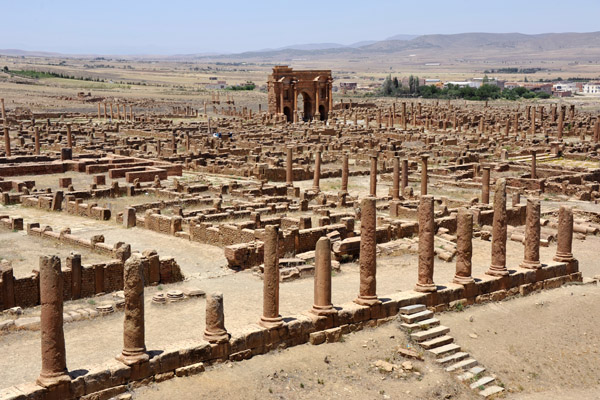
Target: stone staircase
(425, 330)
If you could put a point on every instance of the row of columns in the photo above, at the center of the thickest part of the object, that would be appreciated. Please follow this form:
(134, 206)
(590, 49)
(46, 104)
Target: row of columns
(54, 368)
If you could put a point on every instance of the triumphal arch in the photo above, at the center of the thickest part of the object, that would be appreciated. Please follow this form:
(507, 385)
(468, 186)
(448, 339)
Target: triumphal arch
(300, 94)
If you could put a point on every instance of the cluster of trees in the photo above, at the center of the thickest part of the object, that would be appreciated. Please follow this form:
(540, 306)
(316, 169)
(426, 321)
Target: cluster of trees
(483, 92)
(512, 71)
(28, 73)
(247, 86)
(393, 88)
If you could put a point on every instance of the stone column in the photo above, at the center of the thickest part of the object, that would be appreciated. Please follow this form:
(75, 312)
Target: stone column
(322, 303)
(134, 346)
(423, 175)
(404, 175)
(373, 177)
(533, 165)
(271, 317)
(317, 174)
(368, 247)
(499, 231)
(396, 180)
(215, 331)
(345, 170)
(3, 110)
(69, 136)
(74, 263)
(112, 114)
(564, 252)
(99, 114)
(561, 122)
(7, 142)
(54, 358)
(532, 235)
(464, 247)
(485, 188)
(37, 140)
(426, 238)
(105, 113)
(289, 171)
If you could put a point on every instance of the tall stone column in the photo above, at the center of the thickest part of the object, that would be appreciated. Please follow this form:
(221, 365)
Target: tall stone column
(499, 231)
(532, 128)
(533, 164)
(396, 180)
(7, 142)
(532, 235)
(404, 183)
(112, 114)
(54, 358)
(464, 247)
(561, 122)
(368, 248)
(423, 175)
(564, 252)
(271, 317)
(317, 174)
(485, 185)
(37, 140)
(69, 136)
(134, 345)
(289, 167)
(322, 303)
(373, 177)
(426, 238)
(215, 331)
(105, 113)
(345, 171)
(3, 110)
(99, 114)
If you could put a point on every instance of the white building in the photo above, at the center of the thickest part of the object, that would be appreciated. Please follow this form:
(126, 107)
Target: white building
(591, 88)
(565, 87)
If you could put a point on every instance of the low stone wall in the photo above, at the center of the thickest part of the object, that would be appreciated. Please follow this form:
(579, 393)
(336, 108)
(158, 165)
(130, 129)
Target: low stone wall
(82, 281)
(112, 377)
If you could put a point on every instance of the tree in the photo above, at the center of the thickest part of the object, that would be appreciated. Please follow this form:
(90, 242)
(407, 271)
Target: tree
(396, 83)
(5, 69)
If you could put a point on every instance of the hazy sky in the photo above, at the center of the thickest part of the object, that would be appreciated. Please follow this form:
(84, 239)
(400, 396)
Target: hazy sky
(177, 26)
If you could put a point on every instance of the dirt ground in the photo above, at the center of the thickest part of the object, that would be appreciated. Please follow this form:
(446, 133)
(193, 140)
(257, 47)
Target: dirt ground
(542, 346)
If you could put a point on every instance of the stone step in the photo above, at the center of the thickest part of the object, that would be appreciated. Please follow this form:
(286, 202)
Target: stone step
(437, 342)
(425, 324)
(444, 351)
(453, 358)
(464, 364)
(416, 317)
(482, 382)
(415, 308)
(430, 333)
(473, 372)
(491, 390)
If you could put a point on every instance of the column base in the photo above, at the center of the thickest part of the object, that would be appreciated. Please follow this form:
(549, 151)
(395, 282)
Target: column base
(323, 310)
(129, 357)
(367, 300)
(495, 270)
(216, 337)
(52, 379)
(425, 287)
(269, 323)
(563, 257)
(463, 280)
(531, 264)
